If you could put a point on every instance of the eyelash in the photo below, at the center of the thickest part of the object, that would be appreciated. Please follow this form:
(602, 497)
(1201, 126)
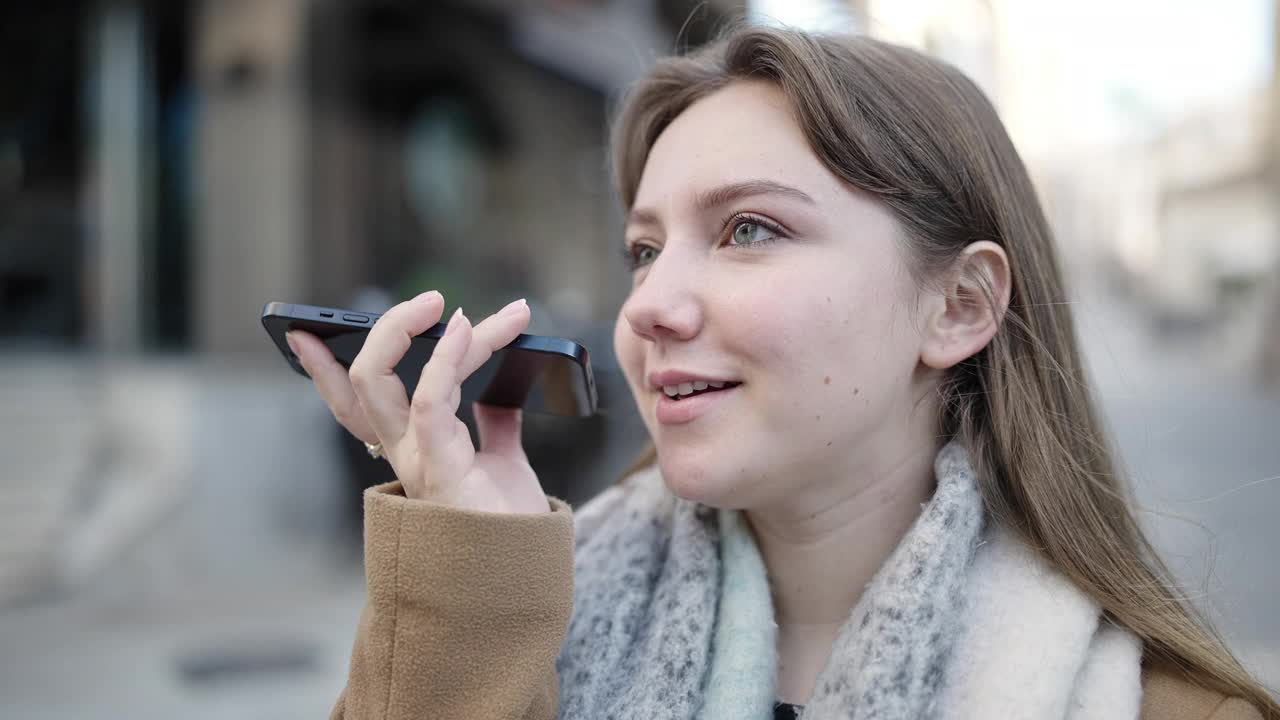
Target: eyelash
(730, 223)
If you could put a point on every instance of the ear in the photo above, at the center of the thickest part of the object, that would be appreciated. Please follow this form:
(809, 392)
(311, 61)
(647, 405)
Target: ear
(960, 317)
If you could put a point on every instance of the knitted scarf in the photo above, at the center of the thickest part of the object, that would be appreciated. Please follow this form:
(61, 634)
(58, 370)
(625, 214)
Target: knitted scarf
(673, 618)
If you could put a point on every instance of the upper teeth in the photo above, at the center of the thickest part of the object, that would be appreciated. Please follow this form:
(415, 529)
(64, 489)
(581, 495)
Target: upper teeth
(689, 387)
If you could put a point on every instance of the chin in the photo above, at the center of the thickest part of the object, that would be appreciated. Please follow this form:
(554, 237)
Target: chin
(698, 481)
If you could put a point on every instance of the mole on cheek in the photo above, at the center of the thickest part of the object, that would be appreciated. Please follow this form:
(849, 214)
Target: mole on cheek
(826, 380)
(856, 391)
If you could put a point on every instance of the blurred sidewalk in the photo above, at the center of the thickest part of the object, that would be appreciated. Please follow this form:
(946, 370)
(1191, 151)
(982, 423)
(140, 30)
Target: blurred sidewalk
(1200, 438)
(241, 599)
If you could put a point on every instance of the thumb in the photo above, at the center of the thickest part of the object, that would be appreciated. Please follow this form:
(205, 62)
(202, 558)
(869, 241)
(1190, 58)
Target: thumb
(499, 429)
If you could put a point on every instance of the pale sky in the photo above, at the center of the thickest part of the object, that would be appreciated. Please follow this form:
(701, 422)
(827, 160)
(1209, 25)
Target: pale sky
(1116, 63)
(1168, 52)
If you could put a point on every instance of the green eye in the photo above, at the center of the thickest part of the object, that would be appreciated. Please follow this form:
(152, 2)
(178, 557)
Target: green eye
(645, 255)
(748, 232)
(638, 255)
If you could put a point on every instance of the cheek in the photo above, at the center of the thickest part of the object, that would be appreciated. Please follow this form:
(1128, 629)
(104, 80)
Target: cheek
(864, 357)
(783, 329)
(760, 321)
(629, 351)
(843, 336)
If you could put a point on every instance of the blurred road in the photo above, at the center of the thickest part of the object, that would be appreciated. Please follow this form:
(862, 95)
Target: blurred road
(241, 601)
(1201, 443)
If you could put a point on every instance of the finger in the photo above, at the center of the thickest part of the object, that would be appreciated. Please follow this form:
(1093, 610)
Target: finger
(499, 429)
(377, 387)
(435, 401)
(495, 333)
(332, 382)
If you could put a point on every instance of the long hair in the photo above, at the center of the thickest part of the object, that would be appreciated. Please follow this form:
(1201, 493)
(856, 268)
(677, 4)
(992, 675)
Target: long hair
(924, 140)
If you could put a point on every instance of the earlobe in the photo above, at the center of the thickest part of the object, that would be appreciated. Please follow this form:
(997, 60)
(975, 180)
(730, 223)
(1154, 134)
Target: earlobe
(968, 308)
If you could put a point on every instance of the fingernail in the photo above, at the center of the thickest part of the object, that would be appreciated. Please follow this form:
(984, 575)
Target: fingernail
(512, 307)
(454, 322)
(427, 296)
(293, 345)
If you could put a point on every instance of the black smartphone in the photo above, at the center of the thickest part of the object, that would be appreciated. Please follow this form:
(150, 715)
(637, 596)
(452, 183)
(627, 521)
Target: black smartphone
(540, 374)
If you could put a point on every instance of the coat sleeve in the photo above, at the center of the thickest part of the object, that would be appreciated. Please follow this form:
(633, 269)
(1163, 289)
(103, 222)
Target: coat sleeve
(465, 615)
(1166, 696)
(1235, 709)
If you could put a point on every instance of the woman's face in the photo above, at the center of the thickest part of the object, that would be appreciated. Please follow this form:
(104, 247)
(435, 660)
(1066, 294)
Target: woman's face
(757, 268)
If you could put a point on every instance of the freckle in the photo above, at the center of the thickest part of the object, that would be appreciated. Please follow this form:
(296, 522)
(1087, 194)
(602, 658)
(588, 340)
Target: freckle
(828, 298)
(826, 380)
(817, 417)
(829, 443)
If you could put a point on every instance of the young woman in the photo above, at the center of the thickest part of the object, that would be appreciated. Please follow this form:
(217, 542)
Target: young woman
(879, 485)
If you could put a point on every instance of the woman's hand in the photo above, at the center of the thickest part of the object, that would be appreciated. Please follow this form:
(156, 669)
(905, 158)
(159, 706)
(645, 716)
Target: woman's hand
(425, 442)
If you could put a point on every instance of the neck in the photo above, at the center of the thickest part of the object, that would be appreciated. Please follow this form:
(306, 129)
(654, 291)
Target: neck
(821, 549)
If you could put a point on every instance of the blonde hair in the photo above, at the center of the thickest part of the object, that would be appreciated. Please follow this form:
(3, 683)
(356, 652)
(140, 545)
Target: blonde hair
(924, 139)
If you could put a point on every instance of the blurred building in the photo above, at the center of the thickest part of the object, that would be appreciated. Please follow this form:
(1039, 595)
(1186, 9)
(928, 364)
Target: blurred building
(1218, 230)
(185, 162)
(1271, 332)
(1173, 209)
(1187, 225)
(167, 167)
(403, 145)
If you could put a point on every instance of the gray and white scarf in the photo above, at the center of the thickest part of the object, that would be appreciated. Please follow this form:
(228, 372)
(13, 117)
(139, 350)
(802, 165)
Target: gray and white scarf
(673, 619)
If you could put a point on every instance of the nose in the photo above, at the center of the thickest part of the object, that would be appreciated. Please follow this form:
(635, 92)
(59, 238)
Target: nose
(666, 305)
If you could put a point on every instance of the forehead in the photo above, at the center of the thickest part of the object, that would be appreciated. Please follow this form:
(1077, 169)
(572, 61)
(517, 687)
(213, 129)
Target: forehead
(744, 130)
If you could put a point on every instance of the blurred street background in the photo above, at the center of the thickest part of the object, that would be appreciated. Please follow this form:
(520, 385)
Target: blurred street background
(179, 514)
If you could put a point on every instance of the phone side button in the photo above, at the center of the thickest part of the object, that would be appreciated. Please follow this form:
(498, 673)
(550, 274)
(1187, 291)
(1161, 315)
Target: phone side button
(356, 318)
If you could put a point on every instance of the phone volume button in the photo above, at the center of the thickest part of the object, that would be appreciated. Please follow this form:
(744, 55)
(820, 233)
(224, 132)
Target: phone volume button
(356, 318)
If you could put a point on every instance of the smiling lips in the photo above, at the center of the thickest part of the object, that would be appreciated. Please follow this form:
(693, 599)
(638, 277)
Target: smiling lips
(685, 397)
(689, 388)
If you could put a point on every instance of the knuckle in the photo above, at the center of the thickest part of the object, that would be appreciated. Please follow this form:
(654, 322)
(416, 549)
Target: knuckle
(344, 414)
(422, 403)
(358, 376)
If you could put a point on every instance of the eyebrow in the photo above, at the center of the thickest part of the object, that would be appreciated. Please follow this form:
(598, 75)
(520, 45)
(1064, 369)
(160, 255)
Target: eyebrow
(724, 195)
